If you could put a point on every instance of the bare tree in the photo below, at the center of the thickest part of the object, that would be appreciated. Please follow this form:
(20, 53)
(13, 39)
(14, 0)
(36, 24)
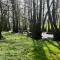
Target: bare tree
(0, 19)
(15, 15)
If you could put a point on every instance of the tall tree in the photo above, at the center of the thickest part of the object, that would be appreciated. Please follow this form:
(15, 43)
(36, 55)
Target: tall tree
(57, 31)
(36, 23)
(0, 19)
(15, 18)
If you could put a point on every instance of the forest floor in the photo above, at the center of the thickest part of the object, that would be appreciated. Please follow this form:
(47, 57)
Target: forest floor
(20, 47)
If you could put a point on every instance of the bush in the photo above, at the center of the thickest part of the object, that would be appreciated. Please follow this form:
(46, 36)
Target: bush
(57, 35)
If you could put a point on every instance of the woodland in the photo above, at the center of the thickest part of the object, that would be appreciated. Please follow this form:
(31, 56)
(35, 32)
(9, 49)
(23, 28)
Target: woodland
(29, 29)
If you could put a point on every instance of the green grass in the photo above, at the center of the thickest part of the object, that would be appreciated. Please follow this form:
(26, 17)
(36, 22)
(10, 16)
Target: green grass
(21, 47)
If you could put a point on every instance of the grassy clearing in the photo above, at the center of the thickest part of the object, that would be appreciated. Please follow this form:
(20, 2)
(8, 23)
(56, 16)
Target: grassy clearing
(21, 47)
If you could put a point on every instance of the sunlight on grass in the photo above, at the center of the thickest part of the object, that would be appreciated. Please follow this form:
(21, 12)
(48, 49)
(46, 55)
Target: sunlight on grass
(20, 47)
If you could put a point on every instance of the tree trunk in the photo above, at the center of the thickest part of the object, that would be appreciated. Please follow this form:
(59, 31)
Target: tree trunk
(0, 20)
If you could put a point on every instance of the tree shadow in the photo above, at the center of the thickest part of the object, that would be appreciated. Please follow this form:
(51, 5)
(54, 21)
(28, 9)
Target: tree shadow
(39, 53)
(4, 40)
(54, 43)
(58, 44)
(51, 52)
